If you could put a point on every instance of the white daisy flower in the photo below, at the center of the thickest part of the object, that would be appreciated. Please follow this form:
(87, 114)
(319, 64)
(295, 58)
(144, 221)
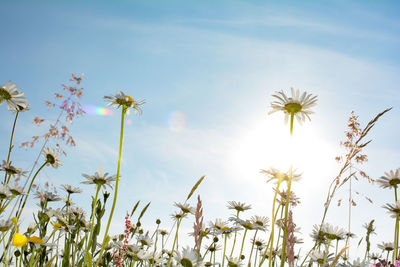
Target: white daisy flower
(298, 105)
(392, 179)
(51, 157)
(388, 246)
(319, 256)
(233, 205)
(145, 240)
(188, 258)
(260, 222)
(359, 263)
(99, 179)
(247, 224)
(47, 196)
(5, 225)
(121, 99)
(15, 189)
(277, 175)
(185, 207)
(393, 209)
(15, 100)
(333, 233)
(234, 262)
(70, 189)
(4, 191)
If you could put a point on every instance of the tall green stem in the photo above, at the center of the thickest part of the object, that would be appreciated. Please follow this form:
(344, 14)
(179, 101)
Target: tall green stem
(89, 242)
(326, 252)
(287, 200)
(396, 230)
(11, 146)
(241, 247)
(29, 190)
(234, 238)
(272, 228)
(223, 256)
(116, 185)
(252, 247)
(175, 240)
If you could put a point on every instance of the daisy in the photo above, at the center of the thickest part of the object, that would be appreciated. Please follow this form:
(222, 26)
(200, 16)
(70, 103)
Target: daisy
(187, 258)
(15, 189)
(233, 205)
(392, 179)
(317, 235)
(15, 100)
(51, 157)
(332, 233)
(388, 246)
(5, 225)
(162, 232)
(296, 105)
(11, 170)
(178, 215)
(234, 262)
(319, 256)
(258, 242)
(359, 263)
(247, 224)
(47, 196)
(393, 209)
(4, 191)
(374, 256)
(145, 240)
(293, 199)
(279, 176)
(70, 189)
(121, 99)
(218, 224)
(260, 222)
(99, 179)
(185, 207)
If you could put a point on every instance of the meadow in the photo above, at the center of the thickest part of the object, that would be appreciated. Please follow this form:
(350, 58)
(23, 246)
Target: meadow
(80, 235)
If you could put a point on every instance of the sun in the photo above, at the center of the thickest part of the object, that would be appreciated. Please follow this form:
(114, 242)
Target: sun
(267, 143)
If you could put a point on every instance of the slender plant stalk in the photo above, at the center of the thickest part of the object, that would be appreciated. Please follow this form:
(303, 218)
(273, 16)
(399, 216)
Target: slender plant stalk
(326, 252)
(252, 247)
(241, 247)
(234, 238)
(11, 147)
(223, 255)
(29, 190)
(396, 230)
(92, 223)
(283, 257)
(116, 185)
(175, 240)
(272, 228)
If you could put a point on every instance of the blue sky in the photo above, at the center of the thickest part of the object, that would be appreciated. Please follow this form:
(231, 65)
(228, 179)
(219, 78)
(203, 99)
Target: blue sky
(215, 64)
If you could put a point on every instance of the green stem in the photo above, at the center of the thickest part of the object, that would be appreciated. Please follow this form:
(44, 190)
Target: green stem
(286, 215)
(326, 252)
(175, 240)
(11, 146)
(29, 190)
(234, 239)
(272, 229)
(396, 230)
(241, 247)
(252, 247)
(88, 244)
(116, 186)
(223, 256)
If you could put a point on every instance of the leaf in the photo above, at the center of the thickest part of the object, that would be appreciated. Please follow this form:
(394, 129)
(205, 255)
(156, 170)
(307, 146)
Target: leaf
(338, 256)
(135, 207)
(195, 187)
(143, 211)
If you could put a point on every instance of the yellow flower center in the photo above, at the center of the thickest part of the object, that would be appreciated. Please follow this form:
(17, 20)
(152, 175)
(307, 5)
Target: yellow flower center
(293, 107)
(19, 240)
(4, 94)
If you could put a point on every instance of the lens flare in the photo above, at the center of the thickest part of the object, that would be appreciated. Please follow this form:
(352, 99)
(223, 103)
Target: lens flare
(94, 110)
(177, 121)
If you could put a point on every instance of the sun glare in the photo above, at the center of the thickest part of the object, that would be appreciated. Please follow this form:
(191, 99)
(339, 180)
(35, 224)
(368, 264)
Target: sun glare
(267, 143)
